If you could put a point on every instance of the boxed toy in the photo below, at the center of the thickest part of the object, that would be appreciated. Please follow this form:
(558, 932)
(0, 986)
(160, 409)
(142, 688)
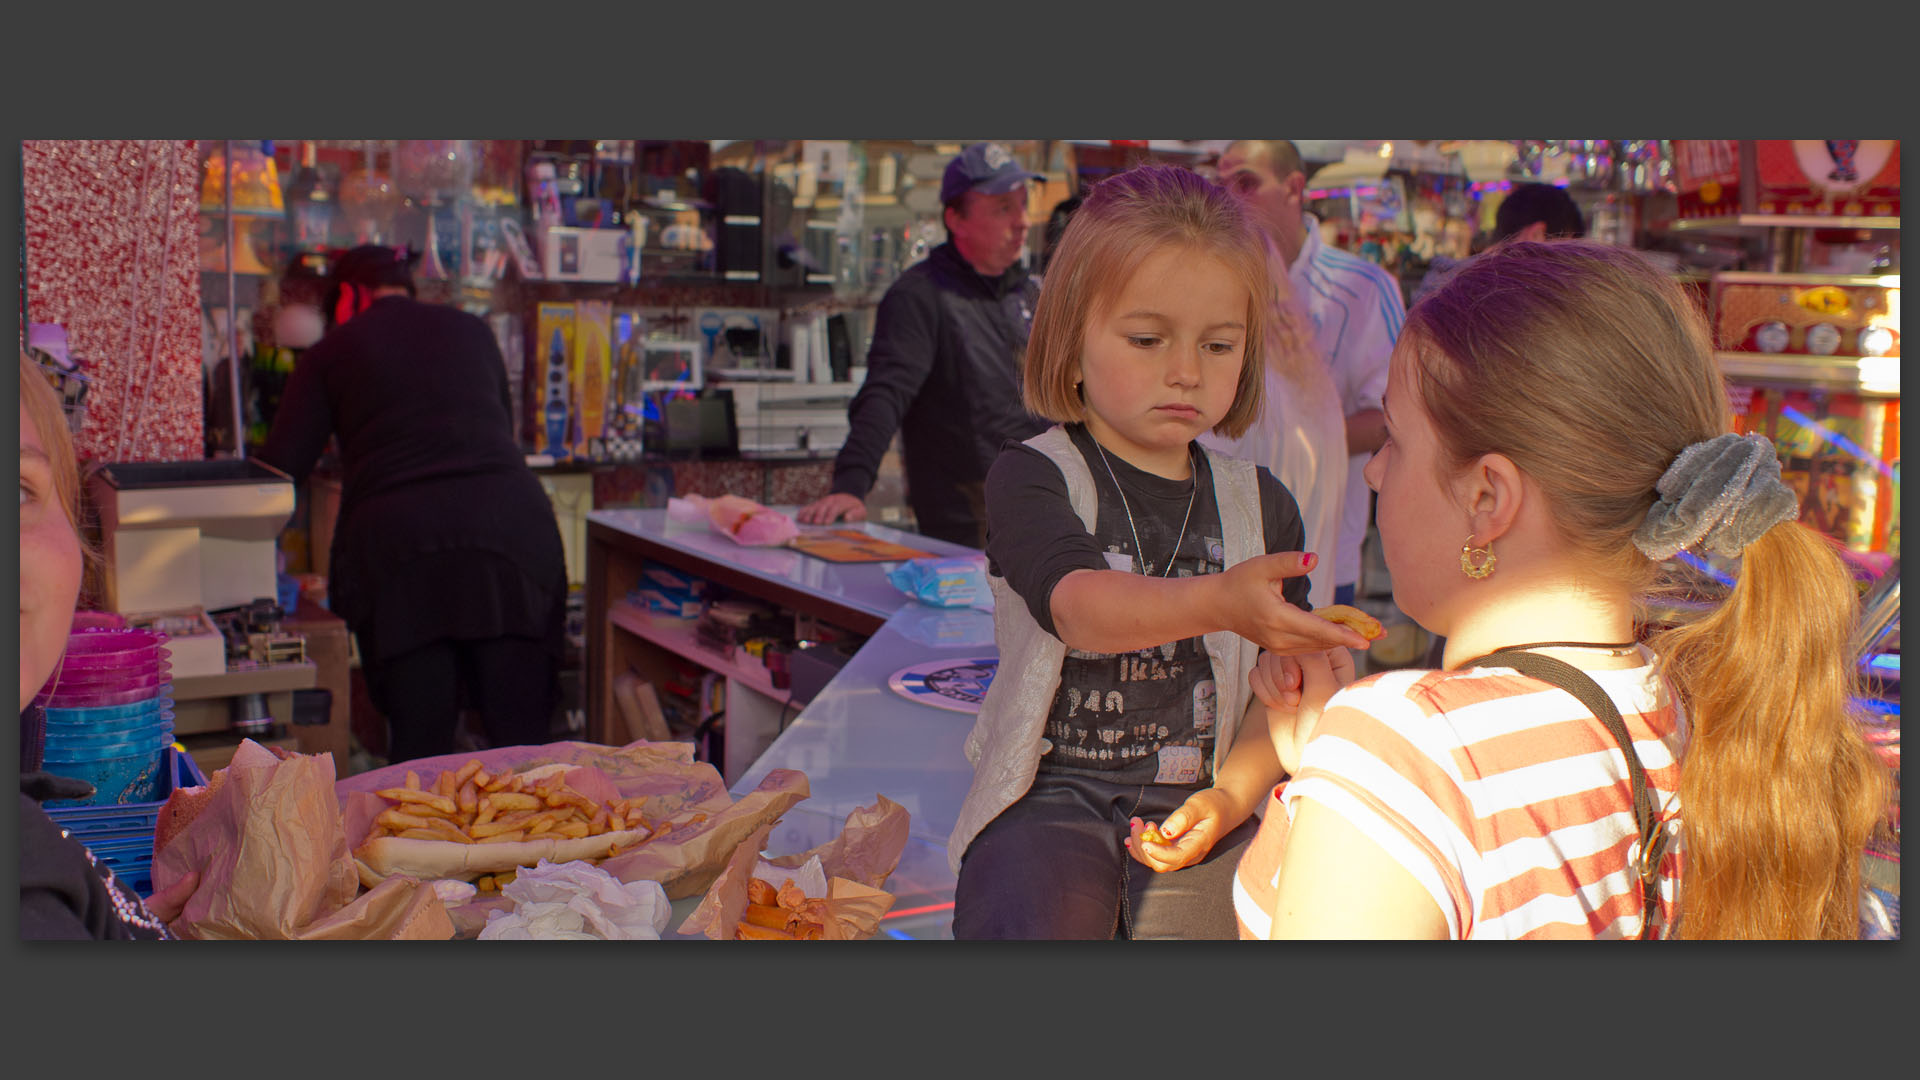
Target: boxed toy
(553, 336)
(592, 363)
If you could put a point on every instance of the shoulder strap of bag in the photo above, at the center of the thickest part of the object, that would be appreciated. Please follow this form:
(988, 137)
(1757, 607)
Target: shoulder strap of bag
(1653, 839)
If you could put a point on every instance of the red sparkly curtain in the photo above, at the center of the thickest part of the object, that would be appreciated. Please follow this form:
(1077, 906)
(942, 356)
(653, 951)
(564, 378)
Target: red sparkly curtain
(112, 254)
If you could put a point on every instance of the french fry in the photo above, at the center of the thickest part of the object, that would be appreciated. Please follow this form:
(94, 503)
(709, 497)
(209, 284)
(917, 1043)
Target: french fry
(413, 780)
(511, 800)
(399, 819)
(448, 830)
(419, 834)
(466, 773)
(485, 884)
(420, 798)
(513, 837)
(573, 830)
(765, 915)
(485, 812)
(505, 877)
(516, 822)
(499, 783)
(539, 825)
(444, 786)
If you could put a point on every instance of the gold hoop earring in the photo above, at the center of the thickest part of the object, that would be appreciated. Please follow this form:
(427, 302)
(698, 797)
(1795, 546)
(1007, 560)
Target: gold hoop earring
(1475, 562)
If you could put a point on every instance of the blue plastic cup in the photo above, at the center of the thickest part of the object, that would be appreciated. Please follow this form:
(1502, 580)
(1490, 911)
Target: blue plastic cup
(128, 778)
(69, 746)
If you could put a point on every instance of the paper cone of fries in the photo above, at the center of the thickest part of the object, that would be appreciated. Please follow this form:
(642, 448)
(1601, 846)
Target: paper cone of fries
(831, 892)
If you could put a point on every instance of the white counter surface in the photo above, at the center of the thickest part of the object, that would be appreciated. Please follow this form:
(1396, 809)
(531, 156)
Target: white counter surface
(858, 738)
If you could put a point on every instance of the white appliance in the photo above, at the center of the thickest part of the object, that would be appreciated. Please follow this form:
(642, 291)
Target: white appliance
(186, 535)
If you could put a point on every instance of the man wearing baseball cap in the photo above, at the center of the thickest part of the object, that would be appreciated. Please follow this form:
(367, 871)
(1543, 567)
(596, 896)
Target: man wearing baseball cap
(944, 367)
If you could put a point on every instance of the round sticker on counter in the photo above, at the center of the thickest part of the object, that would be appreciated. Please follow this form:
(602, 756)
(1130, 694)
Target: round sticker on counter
(959, 685)
(1823, 339)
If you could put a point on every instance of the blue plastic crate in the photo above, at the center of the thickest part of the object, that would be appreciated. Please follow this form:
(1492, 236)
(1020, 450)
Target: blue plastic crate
(121, 836)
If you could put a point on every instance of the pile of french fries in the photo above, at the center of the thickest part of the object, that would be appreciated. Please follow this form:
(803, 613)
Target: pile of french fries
(469, 805)
(782, 914)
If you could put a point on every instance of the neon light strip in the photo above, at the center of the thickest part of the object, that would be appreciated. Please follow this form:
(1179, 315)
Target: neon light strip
(1704, 567)
(1885, 662)
(948, 906)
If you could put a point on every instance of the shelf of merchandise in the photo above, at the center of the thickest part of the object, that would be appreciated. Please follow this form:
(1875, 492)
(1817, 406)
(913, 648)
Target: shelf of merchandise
(1868, 376)
(677, 636)
(1779, 221)
(1769, 277)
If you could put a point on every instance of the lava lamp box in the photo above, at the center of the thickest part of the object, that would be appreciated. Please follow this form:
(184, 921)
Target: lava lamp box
(592, 361)
(553, 365)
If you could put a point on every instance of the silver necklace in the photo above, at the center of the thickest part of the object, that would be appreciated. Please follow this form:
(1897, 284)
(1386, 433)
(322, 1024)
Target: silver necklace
(1147, 567)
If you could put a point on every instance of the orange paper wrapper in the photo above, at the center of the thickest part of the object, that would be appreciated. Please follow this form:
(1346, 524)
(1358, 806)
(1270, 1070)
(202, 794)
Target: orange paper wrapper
(857, 862)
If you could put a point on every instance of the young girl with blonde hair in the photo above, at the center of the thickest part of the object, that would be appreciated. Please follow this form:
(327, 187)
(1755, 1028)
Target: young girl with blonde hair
(1558, 430)
(1135, 577)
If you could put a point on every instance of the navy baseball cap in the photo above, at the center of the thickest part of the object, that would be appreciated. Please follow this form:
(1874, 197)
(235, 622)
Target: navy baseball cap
(985, 167)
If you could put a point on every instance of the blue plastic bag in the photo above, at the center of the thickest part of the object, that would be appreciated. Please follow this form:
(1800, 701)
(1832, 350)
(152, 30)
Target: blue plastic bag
(948, 583)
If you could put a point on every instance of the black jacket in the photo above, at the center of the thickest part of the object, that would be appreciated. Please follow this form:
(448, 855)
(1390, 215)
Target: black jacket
(65, 893)
(443, 530)
(944, 370)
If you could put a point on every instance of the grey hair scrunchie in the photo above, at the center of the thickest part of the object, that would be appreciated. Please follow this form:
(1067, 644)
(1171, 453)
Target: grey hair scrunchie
(1722, 493)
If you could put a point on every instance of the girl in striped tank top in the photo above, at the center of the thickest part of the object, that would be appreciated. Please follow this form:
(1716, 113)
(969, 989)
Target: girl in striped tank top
(1557, 405)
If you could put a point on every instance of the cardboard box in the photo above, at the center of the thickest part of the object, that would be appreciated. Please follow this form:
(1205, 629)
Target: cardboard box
(194, 645)
(553, 338)
(592, 368)
(569, 254)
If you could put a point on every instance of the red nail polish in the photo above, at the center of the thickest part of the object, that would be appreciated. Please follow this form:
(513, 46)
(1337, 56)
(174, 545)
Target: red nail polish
(1308, 560)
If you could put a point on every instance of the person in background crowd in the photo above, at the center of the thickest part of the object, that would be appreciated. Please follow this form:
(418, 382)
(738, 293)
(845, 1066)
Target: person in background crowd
(1056, 227)
(1134, 576)
(1356, 309)
(1301, 435)
(447, 562)
(1531, 212)
(944, 366)
(1557, 405)
(64, 891)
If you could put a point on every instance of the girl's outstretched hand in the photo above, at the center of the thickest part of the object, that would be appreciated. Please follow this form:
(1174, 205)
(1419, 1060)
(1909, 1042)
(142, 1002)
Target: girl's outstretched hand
(1190, 831)
(1275, 680)
(1321, 674)
(1256, 610)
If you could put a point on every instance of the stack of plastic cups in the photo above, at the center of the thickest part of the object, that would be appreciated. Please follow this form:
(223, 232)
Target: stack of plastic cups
(109, 718)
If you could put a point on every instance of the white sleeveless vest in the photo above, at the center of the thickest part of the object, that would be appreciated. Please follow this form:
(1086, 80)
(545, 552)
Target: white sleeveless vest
(1007, 740)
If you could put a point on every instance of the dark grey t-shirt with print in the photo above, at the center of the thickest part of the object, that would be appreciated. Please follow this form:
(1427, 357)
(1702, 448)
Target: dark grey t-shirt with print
(1140, 717)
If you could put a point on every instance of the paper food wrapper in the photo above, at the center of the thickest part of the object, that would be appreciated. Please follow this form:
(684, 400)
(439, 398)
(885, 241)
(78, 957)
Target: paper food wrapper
(684, 861)
(848, 871)
(266, 837)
